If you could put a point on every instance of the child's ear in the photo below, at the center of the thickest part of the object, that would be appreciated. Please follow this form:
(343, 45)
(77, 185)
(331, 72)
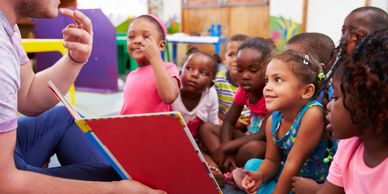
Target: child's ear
(162, 45)
(308, 91)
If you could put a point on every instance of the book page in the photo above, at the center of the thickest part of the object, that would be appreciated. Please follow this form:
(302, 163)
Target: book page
(66, 103)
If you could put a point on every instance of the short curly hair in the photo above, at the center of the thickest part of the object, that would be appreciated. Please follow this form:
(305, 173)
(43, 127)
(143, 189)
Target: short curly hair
(364, 83)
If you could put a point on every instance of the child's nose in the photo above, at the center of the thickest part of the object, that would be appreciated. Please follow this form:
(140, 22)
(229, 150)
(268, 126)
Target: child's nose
(138, 39)
(246, 76)
(195, 73)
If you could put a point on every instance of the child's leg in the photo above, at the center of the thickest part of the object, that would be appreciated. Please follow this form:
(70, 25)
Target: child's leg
(215, 170)
(252, 149)
(209, 134)
(253, 165)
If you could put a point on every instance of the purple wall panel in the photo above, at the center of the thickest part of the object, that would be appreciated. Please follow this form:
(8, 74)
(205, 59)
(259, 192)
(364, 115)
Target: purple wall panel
(100, 73)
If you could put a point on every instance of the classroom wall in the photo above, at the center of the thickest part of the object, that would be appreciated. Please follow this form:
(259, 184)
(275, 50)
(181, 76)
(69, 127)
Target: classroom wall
(116, 10)
(327, 16)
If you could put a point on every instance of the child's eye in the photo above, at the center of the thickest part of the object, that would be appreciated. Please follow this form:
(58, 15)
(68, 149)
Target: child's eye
(131, 36)
(239, 69)
(278, 79)
(204, 73)
(266, 81)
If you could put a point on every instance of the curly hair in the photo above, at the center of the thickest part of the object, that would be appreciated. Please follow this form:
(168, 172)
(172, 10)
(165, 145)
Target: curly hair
(365, 83)
(305, 68)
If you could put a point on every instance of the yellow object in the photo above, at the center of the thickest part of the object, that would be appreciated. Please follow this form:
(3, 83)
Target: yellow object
(48, 45)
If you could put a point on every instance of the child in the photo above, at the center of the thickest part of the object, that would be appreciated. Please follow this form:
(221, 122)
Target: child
(229, 147)
(155, 84)
(358, 116)
(294, 131)
(226, 81)
(360, 22)
(198, 101)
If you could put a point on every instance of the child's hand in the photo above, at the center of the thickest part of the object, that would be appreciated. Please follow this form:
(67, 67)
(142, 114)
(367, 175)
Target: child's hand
(78, 37)
(252, 182)
(151, 49)
(300, 185)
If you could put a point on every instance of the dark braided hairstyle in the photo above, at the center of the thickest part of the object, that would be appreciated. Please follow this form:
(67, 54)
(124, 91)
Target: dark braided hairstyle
(365, 84)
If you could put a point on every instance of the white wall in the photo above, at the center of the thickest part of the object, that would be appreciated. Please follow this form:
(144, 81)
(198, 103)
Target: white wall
(287, 9)
(327, 16)
(172, 9)
(116, 10)
(383, 4)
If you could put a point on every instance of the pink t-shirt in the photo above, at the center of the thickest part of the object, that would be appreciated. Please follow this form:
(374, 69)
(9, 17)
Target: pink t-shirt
(140, 92)
(348, 169)
(241, 97)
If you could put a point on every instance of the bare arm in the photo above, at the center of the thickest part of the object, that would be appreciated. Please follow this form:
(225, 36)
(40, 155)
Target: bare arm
(309, 134)
(18, 181)
(166, 85)
(34, 96)
(227, 128)
(329, 188)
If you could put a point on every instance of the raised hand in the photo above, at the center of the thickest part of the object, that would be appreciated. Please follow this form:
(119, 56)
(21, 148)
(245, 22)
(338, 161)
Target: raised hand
(78, 36)
(252, 182)
(151, 49)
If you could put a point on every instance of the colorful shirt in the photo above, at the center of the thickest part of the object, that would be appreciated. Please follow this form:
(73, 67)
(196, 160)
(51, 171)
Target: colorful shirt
(141, 94)
(258, 110)
(313, 167)
(206, 110)
(225, 91)
(12, 56)
(348, 169)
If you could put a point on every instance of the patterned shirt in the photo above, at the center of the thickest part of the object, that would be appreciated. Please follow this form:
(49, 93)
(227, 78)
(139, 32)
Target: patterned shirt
(225, 91)
(313, 167)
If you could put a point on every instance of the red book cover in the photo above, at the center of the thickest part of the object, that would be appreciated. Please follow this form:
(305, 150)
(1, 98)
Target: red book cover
(156, 149)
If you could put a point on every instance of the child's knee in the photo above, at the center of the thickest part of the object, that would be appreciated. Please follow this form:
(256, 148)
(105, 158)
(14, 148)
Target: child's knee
(253, 164)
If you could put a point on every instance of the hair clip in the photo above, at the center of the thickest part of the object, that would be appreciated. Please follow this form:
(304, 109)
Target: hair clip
(321, 76)
(306, 60)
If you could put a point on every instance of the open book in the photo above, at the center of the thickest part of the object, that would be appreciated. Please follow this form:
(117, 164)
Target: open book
(156, 149)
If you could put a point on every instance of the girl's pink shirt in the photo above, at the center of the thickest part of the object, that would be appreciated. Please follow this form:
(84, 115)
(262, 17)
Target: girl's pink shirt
(348, 169)
(141, 94)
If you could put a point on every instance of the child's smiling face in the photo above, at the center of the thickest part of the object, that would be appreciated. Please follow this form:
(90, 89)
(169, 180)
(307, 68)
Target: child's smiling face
(138, 31)
(197, 73)
(283, 88)
(251, 70)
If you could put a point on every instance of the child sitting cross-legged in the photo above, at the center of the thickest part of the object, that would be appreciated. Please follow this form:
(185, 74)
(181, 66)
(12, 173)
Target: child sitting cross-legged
(296, 142)
(198, 101)
(230, 148)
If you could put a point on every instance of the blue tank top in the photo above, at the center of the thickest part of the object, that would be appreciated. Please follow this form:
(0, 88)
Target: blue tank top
(313, 167)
